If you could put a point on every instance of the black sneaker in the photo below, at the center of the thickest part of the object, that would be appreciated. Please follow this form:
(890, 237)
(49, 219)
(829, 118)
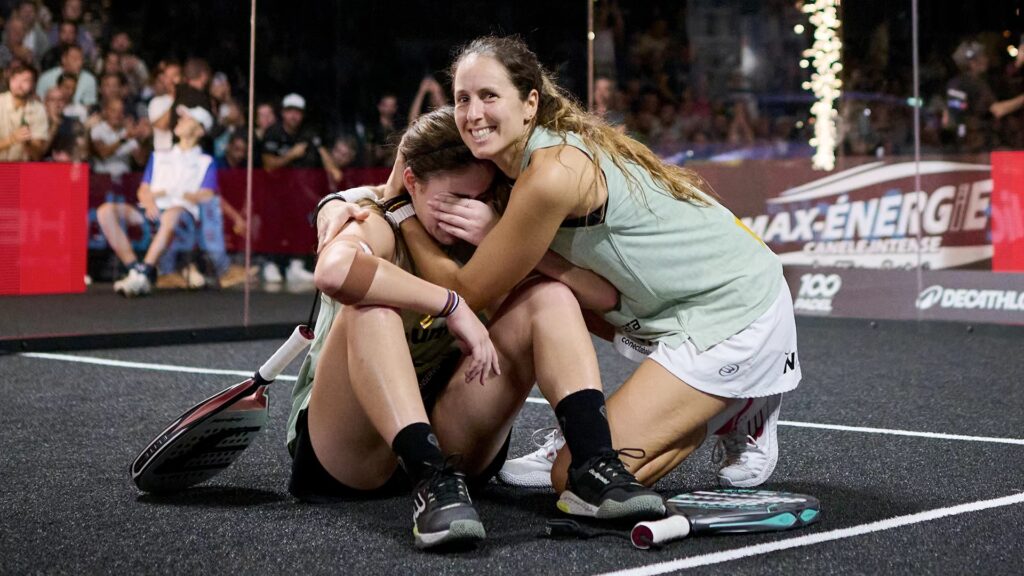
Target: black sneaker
(444, 513)
(602, 488)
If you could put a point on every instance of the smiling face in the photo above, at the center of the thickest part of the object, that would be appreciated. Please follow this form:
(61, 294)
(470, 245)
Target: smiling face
(472, 181)
(490, 114)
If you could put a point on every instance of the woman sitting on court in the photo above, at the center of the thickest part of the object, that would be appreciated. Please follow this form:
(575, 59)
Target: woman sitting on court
(383, 389)
(696, 287)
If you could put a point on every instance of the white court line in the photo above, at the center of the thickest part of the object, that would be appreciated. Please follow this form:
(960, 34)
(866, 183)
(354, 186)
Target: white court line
(811, 539)
(143, 365)
(194, 370)
(840, 427)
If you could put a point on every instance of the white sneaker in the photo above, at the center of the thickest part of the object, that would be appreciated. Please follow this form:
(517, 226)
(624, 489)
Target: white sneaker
(134, 283)
(534, 469)
(271, 275)
(193, 277)
(747, 454)
(297, 273)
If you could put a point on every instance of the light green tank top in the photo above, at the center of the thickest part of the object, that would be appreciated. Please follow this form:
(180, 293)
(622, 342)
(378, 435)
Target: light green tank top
(684, 271)
(428, 347)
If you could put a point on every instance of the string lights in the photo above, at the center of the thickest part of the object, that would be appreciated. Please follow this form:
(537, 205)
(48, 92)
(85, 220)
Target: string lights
(824, 58)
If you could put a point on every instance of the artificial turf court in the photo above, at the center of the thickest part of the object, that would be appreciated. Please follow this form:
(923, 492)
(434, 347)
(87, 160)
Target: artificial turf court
(908, 433)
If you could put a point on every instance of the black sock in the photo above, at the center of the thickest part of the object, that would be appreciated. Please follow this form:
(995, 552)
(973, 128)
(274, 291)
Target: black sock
(584, 423)
(147, 270)
(417, 449)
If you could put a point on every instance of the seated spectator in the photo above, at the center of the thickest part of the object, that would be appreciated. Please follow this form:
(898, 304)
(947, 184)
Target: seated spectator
(71, 11)
(35, 37)
(67, 83)
(235, 153)
(133, 67)
(112, 87)
(266, 117)
(13, 46)
(380, 150)
(231, 122)
(54, 104)
(67, 32)
(343, 153)
(116, 141)
(174, 184)
(23, 125)
(71, 62)
(292, 144)
(159, 107)
(193, 91)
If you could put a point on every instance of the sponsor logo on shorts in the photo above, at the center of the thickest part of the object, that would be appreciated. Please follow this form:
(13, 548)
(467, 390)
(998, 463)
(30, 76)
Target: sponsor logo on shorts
(816, 293)
(728, 370)
(790, 363)
(970, 299)
(634, 345)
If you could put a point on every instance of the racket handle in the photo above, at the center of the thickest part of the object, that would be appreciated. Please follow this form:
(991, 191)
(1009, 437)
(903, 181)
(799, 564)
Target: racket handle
(647, 534)
(296, 343)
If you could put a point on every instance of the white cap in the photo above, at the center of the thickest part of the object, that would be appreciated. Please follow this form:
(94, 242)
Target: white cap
(197, 113)
(293, 100)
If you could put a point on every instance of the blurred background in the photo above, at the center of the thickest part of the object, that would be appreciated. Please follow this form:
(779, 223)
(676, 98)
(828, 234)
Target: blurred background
(875, 146)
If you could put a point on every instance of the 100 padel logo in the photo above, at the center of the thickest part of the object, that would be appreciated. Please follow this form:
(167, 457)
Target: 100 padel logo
(816, 292)
(970, 299)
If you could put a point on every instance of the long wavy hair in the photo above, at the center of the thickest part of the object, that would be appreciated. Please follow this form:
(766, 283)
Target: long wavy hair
(559, 112)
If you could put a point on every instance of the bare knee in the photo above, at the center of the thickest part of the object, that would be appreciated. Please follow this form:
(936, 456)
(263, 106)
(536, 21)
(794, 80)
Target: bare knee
(548, 294)
(106, 212)
(363, 316)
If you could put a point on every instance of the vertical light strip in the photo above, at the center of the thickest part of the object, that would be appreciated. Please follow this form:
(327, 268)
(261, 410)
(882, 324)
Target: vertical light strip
(824, 57)
(590, 54)
(248, 164)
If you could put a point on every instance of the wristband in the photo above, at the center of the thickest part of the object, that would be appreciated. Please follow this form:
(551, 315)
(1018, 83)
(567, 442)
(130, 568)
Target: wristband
(398, 209)
(351, 196)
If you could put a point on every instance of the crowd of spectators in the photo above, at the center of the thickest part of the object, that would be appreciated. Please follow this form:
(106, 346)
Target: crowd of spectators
(655, 77)
(74, 90)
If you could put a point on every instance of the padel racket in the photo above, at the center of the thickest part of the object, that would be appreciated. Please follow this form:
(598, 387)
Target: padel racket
(727, 511)
(208, 437)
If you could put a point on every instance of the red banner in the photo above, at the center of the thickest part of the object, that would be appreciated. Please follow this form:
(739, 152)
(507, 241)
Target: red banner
(43, 227)
(1008, 211)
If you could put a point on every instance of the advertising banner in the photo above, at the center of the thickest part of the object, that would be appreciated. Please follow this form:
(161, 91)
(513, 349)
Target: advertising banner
(866, 241)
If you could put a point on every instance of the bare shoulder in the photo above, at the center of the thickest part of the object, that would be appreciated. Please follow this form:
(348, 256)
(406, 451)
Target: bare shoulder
(559, 173)
(374, 231)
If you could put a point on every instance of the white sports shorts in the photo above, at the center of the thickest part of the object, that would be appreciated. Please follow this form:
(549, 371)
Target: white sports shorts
(760, 360)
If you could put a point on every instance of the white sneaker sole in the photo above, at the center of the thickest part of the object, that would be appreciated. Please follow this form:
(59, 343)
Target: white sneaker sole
(647, 506)
(536, 479)
(459, 531)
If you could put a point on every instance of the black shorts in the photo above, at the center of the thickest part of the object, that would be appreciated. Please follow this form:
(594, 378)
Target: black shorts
(311, 482)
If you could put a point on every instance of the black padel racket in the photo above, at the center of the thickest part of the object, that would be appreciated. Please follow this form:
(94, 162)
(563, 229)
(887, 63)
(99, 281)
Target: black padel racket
(727, 511)
(208, 437)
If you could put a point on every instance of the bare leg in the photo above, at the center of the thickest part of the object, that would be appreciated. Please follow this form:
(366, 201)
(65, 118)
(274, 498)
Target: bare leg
(110, 215)
(658, 413)
(536, 333)
(364, 392)
(164, 234)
